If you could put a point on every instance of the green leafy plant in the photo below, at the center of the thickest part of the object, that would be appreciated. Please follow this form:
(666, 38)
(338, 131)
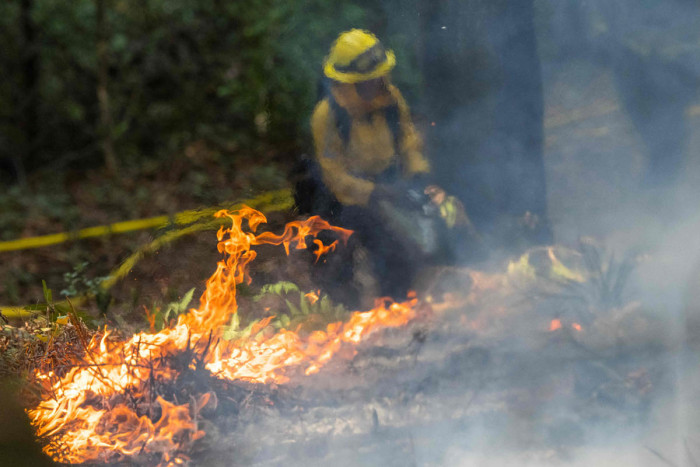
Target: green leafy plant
(301, 305)
(78, 283)
(292, 309)
(607, 275)
(50, 318)
(49, 309)
(160, 317)
(234, 332)
(585, 282)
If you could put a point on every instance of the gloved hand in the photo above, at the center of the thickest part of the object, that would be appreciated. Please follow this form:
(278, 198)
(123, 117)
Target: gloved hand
(451, 209)
(437, 195)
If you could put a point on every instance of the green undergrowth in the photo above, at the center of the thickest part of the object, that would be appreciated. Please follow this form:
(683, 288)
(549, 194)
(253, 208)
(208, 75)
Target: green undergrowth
(285, 306)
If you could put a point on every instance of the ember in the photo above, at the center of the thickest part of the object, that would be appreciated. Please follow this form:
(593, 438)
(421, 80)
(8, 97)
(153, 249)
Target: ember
(556, 324)
(104, 408)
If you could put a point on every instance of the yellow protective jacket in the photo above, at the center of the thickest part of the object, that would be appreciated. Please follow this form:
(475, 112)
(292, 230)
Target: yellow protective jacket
(349, 167)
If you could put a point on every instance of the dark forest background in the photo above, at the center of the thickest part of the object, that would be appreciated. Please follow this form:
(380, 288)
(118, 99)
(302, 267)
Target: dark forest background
(116, 83)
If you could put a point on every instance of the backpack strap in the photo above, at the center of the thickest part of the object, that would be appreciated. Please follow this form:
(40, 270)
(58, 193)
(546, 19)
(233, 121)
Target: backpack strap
(393, 120)
(343, 121)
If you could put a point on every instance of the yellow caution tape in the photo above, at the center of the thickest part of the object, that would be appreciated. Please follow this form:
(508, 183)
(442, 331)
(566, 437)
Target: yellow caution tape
(16, 312)
(186, 217)
(98, 231)
(272, 201)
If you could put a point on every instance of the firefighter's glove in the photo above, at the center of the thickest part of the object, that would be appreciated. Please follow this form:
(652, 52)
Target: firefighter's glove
(450, 208)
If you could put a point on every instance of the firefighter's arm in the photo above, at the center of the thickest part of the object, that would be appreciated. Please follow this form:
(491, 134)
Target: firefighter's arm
(410, 144)
(348, 188)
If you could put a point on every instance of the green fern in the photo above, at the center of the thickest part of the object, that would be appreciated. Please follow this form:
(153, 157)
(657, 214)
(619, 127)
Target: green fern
(174, 309)
(279, 288)
(161, 316)
(298, 310)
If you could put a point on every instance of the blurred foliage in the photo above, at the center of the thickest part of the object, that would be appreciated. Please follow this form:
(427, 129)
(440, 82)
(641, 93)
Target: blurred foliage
(57, 312)
(240, 75)
(287, 307)
(161, 317)
(299, 307)
(587, 281)
(45, 207)
(78, 282)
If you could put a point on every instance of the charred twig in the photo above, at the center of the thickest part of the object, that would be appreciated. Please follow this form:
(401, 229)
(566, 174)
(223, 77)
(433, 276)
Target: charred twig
(692, 458)
(143, 447)
(95, 365)
(200, 361)
(660, 456)
(83, 341)
(150, 391)
(73, 316)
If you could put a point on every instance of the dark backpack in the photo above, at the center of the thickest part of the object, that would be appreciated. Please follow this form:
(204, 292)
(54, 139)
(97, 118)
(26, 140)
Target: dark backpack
(311, 195)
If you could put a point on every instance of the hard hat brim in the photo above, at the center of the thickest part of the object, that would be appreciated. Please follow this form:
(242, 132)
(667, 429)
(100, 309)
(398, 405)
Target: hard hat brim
(353, 77)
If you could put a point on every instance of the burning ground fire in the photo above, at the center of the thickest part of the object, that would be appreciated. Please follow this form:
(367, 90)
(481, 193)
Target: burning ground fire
(104, 407)
(555, 325)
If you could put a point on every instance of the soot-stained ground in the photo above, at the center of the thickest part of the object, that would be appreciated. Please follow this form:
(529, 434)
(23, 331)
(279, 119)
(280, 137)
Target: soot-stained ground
(484, 378)
(488, 383)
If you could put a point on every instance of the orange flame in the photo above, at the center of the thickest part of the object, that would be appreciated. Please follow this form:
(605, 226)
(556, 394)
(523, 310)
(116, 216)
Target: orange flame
(312, 297)
(556, 324)
(88, 414)
(323, 249)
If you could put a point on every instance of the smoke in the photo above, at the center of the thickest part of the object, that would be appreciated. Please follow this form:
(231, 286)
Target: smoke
(585, 113)
(597, 102)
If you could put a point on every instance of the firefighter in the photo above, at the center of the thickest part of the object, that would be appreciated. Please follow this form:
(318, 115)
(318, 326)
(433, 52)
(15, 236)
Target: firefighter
(373, 175)
(362, 130)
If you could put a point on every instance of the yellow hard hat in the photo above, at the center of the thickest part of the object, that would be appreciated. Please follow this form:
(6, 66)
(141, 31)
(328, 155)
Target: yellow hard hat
(356, 56)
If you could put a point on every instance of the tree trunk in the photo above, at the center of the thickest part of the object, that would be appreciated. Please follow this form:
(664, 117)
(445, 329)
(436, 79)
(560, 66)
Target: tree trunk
(484, 95)
(106, 124)
(29, 107)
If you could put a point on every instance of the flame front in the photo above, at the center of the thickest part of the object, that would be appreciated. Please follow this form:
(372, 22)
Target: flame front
(104, 409)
